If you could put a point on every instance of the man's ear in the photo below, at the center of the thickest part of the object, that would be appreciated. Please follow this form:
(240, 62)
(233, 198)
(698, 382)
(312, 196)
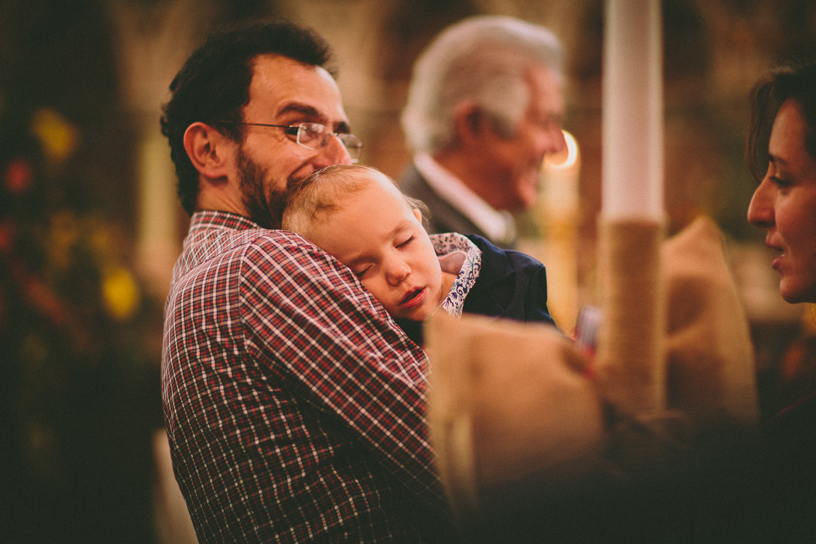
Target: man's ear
(469, 122)
(208, 150)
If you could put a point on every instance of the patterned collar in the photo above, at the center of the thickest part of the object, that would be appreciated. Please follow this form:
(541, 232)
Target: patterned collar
(456, 248)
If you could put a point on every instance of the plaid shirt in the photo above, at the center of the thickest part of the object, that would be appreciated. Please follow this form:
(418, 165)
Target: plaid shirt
(294, 406)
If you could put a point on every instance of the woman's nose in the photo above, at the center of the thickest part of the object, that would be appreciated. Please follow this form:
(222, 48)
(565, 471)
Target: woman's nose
(760, 209)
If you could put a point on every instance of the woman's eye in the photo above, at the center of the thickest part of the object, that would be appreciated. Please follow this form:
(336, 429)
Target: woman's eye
(781, 182)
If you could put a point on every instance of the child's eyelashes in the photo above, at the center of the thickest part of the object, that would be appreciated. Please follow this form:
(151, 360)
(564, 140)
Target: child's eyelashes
(406, 242)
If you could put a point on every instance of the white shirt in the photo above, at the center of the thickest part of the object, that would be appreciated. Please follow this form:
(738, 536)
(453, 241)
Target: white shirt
(499, 226)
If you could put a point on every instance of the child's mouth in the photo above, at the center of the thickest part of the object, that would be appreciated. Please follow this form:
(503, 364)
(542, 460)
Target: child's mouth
(411, 297)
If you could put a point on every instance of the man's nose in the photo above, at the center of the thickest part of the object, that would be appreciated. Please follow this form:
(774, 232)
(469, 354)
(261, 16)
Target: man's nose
(761, 210)
(555, 140)
(333, 153)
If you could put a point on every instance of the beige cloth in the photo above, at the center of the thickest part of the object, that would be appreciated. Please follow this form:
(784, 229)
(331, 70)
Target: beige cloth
(710, 355)
(509, 403)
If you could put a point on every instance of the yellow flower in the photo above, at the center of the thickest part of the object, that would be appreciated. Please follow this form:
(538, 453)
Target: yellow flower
(58, 137)
(120, 293)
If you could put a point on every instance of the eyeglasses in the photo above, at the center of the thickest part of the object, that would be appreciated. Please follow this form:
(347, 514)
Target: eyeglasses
(316, 136)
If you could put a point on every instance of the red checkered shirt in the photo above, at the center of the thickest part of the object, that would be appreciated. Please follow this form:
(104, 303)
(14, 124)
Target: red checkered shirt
(294, 406)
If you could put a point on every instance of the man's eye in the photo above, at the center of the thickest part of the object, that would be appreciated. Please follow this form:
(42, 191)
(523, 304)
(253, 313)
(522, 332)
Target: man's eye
(313, 129)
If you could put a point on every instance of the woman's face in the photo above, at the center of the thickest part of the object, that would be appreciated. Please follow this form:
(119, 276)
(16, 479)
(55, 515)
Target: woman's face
(785, 205)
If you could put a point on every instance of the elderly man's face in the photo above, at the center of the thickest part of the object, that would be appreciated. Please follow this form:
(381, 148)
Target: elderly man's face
(516, 161)
(285, 92)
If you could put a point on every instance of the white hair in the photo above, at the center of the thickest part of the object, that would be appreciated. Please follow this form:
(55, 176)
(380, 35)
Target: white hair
(482, 59)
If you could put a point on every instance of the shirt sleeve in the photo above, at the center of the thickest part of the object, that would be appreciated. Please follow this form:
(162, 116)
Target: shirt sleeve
(308, 316)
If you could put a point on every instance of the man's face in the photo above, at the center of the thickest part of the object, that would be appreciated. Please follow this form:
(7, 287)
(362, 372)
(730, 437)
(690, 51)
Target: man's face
(515, 162)
(285, 92)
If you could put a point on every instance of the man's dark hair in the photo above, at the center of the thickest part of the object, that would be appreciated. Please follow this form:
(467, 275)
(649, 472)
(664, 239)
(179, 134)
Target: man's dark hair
(213, 85)
(796, 81)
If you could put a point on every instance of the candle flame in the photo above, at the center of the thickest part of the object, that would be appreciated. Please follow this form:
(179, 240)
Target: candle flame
(571, 152)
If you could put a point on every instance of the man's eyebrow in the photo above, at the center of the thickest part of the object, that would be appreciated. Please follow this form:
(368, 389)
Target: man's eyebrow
(312, 113)
(303, 109)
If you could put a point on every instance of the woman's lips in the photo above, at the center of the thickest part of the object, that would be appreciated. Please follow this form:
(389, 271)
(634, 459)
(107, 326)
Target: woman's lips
(778, 249)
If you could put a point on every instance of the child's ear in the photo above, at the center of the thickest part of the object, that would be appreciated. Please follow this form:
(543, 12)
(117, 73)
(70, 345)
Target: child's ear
(208, 150)
(418, 215)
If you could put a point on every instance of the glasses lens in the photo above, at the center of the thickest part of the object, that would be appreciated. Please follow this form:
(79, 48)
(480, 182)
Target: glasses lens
(316, 136)
(353, 145)
(311, 135)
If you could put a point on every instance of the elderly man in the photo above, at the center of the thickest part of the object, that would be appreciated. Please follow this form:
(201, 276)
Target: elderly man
(294, 406)
(485, 106)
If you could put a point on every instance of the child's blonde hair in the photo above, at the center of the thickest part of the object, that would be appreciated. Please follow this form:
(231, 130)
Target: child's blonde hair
(314, 197)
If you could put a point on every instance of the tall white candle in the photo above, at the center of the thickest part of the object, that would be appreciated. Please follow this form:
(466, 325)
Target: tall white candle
(632, 175)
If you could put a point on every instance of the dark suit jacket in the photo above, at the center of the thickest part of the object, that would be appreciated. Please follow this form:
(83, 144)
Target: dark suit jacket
(511, 284)
(444, 217)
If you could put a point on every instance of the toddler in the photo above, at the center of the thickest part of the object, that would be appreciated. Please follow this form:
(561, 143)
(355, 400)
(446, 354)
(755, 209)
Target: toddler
(358, 215)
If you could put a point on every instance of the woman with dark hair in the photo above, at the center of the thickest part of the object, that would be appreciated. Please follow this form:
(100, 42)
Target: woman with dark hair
(782, 157)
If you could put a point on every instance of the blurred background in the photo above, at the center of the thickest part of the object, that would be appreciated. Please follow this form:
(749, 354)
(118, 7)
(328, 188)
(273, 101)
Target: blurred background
(90, 226)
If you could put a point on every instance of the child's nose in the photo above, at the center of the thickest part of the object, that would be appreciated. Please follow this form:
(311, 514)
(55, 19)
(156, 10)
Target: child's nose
(397, 272)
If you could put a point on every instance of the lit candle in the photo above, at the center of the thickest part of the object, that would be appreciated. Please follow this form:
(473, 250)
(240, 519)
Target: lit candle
(559, 219)
(560, 188)
(633, 111)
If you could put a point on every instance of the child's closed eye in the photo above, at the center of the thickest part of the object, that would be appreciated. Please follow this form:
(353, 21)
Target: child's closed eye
(406, 242)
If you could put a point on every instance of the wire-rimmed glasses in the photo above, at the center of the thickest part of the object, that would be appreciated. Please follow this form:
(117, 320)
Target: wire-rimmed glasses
(316, 136)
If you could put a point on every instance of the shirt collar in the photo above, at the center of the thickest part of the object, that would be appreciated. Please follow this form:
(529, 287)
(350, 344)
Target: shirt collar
(497, 225)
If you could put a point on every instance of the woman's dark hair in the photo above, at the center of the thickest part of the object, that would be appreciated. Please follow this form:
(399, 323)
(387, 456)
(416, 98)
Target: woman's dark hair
(213, 85)
(796, 81)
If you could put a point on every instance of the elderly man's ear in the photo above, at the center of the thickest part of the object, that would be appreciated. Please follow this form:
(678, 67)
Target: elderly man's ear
(210, 151)
(470, 122)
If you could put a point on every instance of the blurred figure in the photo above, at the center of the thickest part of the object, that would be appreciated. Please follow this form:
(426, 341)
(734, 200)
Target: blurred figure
(485, 105)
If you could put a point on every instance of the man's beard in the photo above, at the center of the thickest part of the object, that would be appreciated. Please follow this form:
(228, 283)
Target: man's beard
(265, 207)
